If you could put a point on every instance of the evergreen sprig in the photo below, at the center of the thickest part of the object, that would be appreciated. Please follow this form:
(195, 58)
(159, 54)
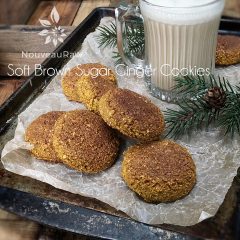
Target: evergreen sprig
(230, 115)
(195, 86)
(107, 36)
(195, 113)
(190, 85)
(135, 43)
(190, 115)
(133, 36)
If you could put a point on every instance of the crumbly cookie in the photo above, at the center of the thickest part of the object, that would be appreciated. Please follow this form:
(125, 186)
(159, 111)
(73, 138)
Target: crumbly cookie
(39, 133)
(84, 142)
(132, 114)
(228, 50)
(74, 75)
(90, 90)
(161, 171)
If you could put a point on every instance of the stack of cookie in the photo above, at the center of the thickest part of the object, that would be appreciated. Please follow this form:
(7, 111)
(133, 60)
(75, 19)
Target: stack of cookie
(86, 83)
(88, 140)
(79, 139)
(131, 114)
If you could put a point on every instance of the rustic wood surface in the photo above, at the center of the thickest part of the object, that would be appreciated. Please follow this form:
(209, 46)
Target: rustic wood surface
(21, 46)
(86, 7)
(15, 228)
(66, 9)
(16, 12)
(232, 8)
(7, 87)
(13, 40)
(22, 38)
(14, 64)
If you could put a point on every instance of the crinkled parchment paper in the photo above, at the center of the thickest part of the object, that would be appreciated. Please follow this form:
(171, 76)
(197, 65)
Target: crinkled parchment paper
(216, 158)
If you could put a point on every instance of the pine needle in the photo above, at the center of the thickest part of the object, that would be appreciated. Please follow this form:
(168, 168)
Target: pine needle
(230, 116)
(191, 115)
(194, 113)
(133, 36)
(107, 36)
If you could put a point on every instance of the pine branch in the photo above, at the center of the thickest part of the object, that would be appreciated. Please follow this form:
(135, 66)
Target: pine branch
(238, 89)
(223, 83)
(195, 111)
(117, 58)
(134, 42)
(192, 87)
(191, 115)
(107, 36)
(230, 116)
(135, 39)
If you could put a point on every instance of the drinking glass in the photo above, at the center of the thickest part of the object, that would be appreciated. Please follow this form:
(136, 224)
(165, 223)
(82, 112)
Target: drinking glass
(180, 40)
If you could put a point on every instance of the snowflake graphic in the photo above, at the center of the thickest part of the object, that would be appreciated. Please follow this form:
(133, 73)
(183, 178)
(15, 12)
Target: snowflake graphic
(54, 33)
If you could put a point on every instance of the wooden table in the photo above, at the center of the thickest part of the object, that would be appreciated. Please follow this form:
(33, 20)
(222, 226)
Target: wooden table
(19, 37)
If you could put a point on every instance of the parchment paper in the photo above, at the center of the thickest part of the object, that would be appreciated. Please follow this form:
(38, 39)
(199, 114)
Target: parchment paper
(216, 158)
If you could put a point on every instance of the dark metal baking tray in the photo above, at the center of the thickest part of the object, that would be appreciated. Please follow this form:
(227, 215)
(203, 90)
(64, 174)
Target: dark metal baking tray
(47, 205)
(230, 26)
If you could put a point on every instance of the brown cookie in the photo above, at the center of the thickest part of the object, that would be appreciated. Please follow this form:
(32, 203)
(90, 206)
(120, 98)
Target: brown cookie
(228, 50)
(39, 133)
(132, 114)
(90, 89)
(161, 171)
(74, 75)
(84, 142)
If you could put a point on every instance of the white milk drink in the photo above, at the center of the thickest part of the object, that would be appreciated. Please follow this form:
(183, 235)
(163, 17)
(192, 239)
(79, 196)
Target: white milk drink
(181, 37)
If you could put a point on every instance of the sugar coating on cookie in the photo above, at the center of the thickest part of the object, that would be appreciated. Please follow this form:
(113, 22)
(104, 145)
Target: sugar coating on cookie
(39, 133)
(132, 114)
(161, 171)
(84, 142)
(228, 50)
(91, 89)
(74, 75)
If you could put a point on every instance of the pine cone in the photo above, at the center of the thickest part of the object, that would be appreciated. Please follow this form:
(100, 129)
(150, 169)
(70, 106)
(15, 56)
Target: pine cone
(215, 98)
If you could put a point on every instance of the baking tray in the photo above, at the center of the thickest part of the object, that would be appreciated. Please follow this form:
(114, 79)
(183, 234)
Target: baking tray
(56, 208)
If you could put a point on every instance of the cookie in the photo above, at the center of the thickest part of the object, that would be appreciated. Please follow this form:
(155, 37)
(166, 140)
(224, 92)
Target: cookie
(161, 171)
(74, 75)
(90, 90)
(228, 50)
(39, 133)
(84, 142)
(133, 115)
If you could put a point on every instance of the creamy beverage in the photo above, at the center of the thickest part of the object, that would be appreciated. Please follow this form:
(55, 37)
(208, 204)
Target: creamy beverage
(181, 38)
